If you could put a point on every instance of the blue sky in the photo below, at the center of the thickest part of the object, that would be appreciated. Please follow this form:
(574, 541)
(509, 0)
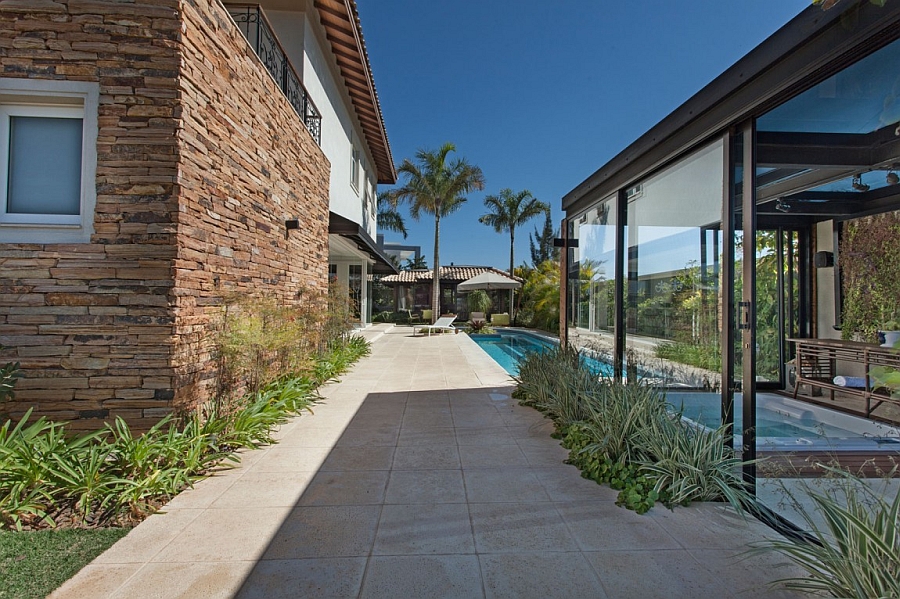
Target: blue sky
(542, 94)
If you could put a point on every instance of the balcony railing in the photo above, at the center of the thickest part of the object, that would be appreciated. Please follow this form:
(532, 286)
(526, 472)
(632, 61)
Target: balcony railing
(253, 24)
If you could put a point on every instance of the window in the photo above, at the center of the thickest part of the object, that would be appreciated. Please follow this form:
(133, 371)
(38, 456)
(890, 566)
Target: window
(354, 168)
(47, 123)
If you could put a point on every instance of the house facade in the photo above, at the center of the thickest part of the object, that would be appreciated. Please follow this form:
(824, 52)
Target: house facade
(154, 165)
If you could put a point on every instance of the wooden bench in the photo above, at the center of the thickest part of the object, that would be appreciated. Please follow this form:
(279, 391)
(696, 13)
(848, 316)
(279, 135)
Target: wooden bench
(816, 365)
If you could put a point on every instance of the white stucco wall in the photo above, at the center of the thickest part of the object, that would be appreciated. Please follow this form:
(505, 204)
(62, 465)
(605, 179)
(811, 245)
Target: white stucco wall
(825, 300)
(304, 40)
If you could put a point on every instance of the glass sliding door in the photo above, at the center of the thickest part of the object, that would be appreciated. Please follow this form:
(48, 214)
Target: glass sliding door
(673, 263)
(779, 297)
(591, 281)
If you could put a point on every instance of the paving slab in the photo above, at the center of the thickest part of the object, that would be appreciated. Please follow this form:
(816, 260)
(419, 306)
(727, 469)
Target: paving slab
(417, 475)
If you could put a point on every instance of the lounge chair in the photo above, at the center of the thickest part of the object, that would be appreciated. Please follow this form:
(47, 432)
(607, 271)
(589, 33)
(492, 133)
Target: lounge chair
(444, 323)
(477, 316)
(500, 319)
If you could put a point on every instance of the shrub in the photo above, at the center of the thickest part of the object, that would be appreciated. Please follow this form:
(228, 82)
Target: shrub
(708, 357)
(112, 477)
(856, 552)
(9, 374)
(870, 272)
(626, 435)
(261, 340)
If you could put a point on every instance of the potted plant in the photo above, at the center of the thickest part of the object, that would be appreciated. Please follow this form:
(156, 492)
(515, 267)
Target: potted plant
(889, 332)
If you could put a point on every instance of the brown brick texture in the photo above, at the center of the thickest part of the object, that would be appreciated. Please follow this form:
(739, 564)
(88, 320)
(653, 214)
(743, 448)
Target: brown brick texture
(200, 161)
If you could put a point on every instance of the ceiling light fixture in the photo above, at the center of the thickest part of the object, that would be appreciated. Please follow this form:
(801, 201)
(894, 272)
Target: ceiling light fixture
(858, 185)
(892, 178)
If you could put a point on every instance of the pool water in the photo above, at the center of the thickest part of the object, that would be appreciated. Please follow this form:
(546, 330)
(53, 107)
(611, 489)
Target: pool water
(508, 347)
(705, 409)
(779, 421)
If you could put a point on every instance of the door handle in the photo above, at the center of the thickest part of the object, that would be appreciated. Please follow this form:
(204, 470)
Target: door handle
(744, 316)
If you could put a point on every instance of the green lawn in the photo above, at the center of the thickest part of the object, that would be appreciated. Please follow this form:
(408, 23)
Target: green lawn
(33, 564)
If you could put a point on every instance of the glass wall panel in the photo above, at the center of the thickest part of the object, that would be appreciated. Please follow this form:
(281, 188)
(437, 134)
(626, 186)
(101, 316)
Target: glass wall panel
(355, 284)
(824, 156)
(673, 264)
(591, 284)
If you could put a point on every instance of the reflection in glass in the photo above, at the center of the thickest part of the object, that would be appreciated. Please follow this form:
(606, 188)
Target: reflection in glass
(862, 98)
(674, 246)
(592, 269)
(355, 283)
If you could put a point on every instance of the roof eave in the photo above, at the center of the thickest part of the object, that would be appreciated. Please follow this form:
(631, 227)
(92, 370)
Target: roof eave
(341, 18)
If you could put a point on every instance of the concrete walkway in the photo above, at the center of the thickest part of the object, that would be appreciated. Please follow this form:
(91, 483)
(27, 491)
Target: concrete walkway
(419, 476)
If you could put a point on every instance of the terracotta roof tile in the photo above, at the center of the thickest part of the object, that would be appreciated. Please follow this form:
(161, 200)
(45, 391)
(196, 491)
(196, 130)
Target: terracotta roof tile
(448, 273)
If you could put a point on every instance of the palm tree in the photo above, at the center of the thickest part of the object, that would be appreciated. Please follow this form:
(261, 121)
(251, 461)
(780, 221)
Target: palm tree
(437, 187)
(417, 263)
(388, 217)
(507, 211)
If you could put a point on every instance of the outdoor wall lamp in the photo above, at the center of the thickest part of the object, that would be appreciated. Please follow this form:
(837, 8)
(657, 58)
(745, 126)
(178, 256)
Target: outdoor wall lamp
(291, 224)
(782, 205)
(858, 185)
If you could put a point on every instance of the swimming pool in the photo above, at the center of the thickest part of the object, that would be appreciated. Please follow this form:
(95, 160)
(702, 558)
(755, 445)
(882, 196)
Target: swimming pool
(787, 424)
(781, 423)
(509, 346)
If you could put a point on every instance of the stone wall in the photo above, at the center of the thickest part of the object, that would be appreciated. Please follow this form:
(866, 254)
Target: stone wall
(91, 323)
(247, 165)
(200, 160)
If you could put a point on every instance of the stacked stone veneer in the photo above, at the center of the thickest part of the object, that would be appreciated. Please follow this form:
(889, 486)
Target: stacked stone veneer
(200, 161)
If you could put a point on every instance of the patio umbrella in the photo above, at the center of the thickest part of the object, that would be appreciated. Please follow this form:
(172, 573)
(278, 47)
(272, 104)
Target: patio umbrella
(488, 280)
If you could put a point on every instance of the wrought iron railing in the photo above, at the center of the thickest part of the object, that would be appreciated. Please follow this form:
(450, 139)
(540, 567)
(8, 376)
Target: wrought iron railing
(253, 24)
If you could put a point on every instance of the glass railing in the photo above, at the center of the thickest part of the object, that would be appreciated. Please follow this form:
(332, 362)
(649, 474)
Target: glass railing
(256, 28)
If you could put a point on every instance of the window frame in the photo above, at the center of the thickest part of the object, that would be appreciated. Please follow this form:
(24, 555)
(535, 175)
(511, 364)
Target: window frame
(355, 158)
(7, 113)
(53, 99)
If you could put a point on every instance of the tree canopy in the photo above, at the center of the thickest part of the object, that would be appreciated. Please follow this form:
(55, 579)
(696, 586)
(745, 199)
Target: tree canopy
(389, 218)
(436, 185)
(541, 243)
(507, 211)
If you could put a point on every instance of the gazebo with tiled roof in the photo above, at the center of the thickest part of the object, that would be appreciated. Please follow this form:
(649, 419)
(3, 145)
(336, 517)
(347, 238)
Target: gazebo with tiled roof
(412, 288)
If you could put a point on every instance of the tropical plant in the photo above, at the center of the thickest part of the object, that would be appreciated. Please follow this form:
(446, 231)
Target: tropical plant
(436, 186)
(540, 296)
(479, 301)
(625, 434)
(541, 244)
(417, 263)
(389, 219)
(691, 463)
(507, 211)
(479, 325)
(856, 552)
(9, 374)
(870, 270)
(113, 476)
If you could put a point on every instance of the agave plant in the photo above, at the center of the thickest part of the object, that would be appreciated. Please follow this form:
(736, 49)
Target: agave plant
(856, 552)
(619, 412)
(691, 463)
